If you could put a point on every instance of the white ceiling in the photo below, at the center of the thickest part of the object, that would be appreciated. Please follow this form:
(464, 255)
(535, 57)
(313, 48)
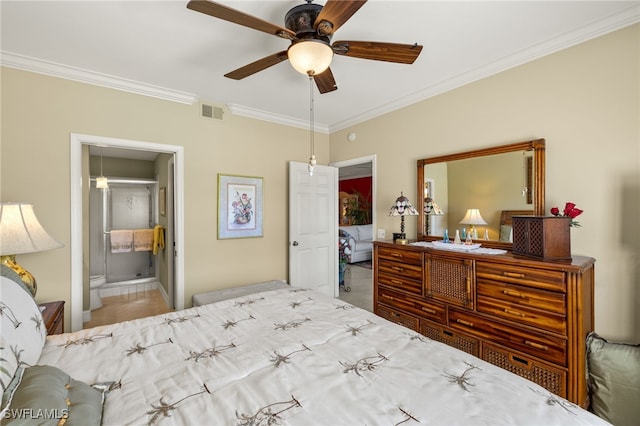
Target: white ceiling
(163, 49)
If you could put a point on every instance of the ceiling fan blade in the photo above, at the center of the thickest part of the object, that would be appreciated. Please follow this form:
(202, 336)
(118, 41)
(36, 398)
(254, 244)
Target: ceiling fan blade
(378, 51)
(257, 66)
(325, 81)
(223, 12)
(336, 13)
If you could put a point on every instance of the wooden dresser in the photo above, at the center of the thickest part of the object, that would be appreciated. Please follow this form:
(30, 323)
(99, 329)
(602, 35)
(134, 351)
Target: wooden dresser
(527, 316)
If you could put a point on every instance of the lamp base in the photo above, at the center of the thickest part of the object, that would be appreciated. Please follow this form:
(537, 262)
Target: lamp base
(27, 279)
(399, 237)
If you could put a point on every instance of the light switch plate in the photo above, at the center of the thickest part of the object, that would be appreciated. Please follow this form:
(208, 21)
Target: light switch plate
(380, 233)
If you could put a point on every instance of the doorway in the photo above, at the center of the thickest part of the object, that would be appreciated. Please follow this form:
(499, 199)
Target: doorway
(79, 174)
(359, 276)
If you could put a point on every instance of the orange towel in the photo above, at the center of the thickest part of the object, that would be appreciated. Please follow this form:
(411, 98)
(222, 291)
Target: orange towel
(143, 240)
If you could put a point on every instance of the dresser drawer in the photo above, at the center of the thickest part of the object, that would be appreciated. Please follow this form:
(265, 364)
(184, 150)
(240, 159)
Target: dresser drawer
(400, 275)
(401, 318)
(413, 305)
(549, 377)
(441, 334)
(400, 283)
(538, 308)
(399, 255)
(521, 275)
(538, 345)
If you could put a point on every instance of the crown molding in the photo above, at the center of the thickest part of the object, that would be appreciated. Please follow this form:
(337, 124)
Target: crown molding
(275, 118)
(53, 69)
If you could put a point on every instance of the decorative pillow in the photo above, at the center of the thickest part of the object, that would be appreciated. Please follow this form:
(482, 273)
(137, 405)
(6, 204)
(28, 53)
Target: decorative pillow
(48, 394)
(505, 233)
(614, 380)
(23, 330)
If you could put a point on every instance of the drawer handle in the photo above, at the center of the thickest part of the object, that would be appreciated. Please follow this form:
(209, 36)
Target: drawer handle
(536, 345)
(384, 296)
(520, 360)
(463, 322)
(513, 275)
(396, 255)
(397, 268)
(428, 310)
(514, 294)
(397, 282)
(516, 313)
(447, 333)
(394, 314)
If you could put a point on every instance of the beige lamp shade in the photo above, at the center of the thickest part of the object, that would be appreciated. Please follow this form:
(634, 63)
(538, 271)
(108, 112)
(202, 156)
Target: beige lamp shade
(21, 232)
(473, 217)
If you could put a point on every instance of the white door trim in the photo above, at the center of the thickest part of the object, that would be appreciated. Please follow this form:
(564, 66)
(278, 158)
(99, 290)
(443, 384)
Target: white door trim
(76, 142)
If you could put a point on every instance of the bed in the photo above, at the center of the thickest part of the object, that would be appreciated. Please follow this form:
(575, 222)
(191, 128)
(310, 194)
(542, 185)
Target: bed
(288, 356)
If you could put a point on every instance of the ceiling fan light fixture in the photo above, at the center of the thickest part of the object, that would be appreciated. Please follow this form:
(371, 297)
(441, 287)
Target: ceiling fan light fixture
(102, 183)
(310, 57)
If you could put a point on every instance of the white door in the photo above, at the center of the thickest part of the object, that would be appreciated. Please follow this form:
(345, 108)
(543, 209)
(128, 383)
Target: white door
(313, 228)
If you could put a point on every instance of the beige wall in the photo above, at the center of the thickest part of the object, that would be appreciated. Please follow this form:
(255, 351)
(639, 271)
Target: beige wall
(40, 112)
(585, 101)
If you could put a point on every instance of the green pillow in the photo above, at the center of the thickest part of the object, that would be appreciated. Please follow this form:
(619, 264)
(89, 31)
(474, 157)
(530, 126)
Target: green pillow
(614, 380)
(46, 395)
(505, 233)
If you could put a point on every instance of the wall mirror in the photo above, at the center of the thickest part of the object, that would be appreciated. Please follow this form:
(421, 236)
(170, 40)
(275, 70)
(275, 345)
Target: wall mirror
(499, 182)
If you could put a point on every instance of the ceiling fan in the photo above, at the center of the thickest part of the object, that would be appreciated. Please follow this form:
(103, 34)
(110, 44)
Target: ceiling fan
(310, 27)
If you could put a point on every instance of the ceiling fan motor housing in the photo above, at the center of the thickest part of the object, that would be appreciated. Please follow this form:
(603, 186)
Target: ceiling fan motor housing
(300, 20)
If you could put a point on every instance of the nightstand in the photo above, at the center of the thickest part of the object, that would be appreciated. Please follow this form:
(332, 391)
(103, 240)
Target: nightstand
(53, 316)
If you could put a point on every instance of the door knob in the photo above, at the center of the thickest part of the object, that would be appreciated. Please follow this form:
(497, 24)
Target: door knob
(295, 243)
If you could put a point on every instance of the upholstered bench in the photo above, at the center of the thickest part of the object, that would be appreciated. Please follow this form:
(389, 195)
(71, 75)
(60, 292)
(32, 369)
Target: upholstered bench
(229, 293)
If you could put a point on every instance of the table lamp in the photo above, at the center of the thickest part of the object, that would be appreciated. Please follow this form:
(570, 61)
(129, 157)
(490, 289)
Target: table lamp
(402, 207)
(21, 232)
(473, 218)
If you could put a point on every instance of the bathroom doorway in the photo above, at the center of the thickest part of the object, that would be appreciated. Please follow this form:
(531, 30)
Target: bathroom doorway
(80, 176)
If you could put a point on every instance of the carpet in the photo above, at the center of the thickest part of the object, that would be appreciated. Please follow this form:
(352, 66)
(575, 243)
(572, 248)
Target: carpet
(365, 264)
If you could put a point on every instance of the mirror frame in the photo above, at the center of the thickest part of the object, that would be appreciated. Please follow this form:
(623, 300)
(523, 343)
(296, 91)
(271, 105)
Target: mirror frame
(538, 184)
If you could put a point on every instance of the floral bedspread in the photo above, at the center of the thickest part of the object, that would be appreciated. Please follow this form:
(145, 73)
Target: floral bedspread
(294, 357)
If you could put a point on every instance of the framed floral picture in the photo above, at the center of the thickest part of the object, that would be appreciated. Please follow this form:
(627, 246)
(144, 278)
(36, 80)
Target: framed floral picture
(239, 206)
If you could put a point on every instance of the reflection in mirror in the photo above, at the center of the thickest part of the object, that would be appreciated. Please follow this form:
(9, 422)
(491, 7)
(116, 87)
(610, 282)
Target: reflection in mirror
(493, 180)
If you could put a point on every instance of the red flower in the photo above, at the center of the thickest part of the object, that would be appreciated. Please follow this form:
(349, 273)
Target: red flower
(570, 210)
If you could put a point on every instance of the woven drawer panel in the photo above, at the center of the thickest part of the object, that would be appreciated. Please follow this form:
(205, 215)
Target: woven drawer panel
(450, 280)
(398, 317)
(458, 341)
(550, 378)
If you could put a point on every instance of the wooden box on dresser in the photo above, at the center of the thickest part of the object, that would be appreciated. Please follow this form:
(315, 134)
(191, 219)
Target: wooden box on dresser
(527, 316)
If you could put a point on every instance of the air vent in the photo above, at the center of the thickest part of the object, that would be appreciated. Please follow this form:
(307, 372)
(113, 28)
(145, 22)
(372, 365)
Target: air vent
(211, 112)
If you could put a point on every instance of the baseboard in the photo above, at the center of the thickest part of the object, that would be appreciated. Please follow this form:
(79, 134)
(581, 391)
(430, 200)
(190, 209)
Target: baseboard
(164, 294)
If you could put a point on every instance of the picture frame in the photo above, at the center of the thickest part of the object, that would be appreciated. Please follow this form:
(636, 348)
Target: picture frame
(240, 206)
(163, 201)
